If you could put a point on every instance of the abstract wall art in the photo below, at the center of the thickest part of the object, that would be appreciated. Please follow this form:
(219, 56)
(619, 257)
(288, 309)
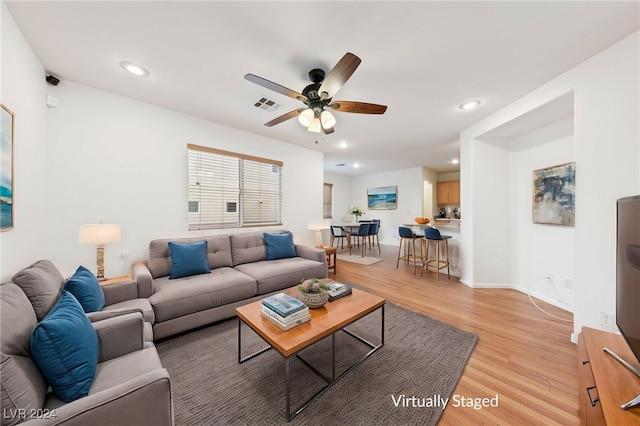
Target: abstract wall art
(554, 195)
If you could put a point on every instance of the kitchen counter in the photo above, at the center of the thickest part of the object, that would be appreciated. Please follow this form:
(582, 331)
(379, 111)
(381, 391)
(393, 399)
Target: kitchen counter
(446, 223)
(450, 227)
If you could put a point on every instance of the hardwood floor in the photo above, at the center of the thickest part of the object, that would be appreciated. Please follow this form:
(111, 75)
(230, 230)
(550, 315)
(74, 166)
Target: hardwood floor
(523, 356)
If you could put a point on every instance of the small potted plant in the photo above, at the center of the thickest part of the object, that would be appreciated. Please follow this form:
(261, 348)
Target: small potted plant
(313, 292)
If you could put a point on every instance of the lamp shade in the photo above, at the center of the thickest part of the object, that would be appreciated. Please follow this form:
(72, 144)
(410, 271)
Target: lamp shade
(328, 120)
(306, 117)
(315, 126)
(99, 234)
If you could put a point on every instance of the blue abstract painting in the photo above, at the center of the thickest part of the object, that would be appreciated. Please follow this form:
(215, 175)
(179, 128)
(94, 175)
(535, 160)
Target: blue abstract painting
(6, 168)
(554, 195)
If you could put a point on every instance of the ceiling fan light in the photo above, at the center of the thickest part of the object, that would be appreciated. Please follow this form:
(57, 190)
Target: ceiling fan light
(306, 117)
(315, 126)
(327, 119)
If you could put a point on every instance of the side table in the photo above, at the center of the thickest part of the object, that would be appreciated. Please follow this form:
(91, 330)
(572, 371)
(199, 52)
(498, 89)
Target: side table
(114, 280)
(332, 255)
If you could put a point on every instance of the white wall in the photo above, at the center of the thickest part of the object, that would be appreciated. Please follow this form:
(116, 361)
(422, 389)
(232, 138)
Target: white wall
(100, 157)
(540, 249)
(23, 91)
(607, 159)
(409, 183)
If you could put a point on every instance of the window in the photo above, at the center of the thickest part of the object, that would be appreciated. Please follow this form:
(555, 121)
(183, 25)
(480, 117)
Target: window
(229, 190)
(327, 201)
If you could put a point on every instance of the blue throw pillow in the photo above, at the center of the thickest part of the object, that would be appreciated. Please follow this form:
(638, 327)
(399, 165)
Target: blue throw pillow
(65, 347)
(188, 259)
(279, 246)
(86, 288)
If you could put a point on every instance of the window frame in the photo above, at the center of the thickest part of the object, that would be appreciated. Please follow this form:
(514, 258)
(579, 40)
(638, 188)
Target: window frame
(255, 185)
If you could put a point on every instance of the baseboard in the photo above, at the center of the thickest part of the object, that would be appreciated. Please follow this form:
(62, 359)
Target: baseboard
(554, 302)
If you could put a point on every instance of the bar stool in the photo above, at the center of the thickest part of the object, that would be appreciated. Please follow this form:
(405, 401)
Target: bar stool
(407, 236)
(432, 235)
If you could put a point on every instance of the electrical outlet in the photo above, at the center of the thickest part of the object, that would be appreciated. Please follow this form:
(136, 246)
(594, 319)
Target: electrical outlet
(606, 320)
(567, 283)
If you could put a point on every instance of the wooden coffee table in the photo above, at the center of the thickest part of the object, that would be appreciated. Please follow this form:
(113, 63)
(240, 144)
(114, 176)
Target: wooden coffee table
(326, 321)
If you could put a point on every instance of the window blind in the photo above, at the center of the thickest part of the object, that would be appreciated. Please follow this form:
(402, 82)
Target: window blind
(230, 190)
(327, 201)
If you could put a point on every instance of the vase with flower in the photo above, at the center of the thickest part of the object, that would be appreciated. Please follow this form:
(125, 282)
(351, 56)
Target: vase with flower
(356, 211)
(313, 292)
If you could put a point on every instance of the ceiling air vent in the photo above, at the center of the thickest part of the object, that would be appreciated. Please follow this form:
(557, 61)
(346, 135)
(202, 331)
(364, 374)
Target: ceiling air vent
(266, 104)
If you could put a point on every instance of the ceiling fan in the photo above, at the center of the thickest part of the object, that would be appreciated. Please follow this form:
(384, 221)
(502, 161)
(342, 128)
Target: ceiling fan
(318, 97)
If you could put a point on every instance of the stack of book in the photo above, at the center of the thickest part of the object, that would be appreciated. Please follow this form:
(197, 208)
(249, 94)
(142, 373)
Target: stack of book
(338, 290)
(284, 311)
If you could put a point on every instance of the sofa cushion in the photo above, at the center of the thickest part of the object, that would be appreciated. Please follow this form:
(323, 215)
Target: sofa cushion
(273, 275)
(86, 289)
(199, 292)
(21, 384)
(188, 259)
(42, 283)
(247, 248)
(279, 246)
(65, 347)
(218, 253)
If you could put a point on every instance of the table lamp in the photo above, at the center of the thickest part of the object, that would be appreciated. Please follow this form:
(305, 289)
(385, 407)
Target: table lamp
(99, 234)
(318, 227)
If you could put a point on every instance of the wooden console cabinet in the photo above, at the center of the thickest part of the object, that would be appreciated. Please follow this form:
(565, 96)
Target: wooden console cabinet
(605, 384)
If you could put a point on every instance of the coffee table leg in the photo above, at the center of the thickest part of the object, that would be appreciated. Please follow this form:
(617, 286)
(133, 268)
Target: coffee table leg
(248, 357)
(333, 358)
(288, 388)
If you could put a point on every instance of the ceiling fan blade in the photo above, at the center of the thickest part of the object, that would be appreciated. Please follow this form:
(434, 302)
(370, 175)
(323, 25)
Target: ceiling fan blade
(358, 107)
(339, 74)
(284, 117)
(275, 87)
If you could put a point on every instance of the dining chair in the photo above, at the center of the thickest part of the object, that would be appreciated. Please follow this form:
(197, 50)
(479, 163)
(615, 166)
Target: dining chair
(374, 228)
(361, 236)
(337, 233)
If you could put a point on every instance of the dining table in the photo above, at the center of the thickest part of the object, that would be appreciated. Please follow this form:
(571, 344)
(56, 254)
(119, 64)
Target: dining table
(348, 228)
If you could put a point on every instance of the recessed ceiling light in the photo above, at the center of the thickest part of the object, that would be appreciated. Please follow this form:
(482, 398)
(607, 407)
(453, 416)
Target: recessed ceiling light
(356, 165)
(455, 161)
(342, 145)
(134, 69)
(470, 105)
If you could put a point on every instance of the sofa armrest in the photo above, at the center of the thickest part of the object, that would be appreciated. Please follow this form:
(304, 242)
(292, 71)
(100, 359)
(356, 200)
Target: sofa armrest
(311, 253)
(142, 276)
(103, 315)
(120, 335)
(120, 291)
(145, 399)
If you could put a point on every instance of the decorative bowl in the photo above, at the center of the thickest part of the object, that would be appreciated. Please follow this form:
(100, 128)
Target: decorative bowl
(313, 300)
(422, 220)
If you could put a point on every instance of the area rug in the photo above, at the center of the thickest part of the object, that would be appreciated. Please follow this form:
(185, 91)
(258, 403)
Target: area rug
(420, 364)
(357, 258)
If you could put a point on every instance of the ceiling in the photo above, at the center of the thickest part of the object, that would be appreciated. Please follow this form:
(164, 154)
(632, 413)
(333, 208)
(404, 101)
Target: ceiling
(421, 59)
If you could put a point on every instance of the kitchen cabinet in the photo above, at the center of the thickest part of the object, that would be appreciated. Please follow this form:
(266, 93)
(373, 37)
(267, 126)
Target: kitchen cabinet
(448, 192)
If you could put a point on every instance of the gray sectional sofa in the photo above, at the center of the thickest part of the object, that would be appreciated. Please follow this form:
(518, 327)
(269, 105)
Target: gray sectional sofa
(239, 273)
(129, 384)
